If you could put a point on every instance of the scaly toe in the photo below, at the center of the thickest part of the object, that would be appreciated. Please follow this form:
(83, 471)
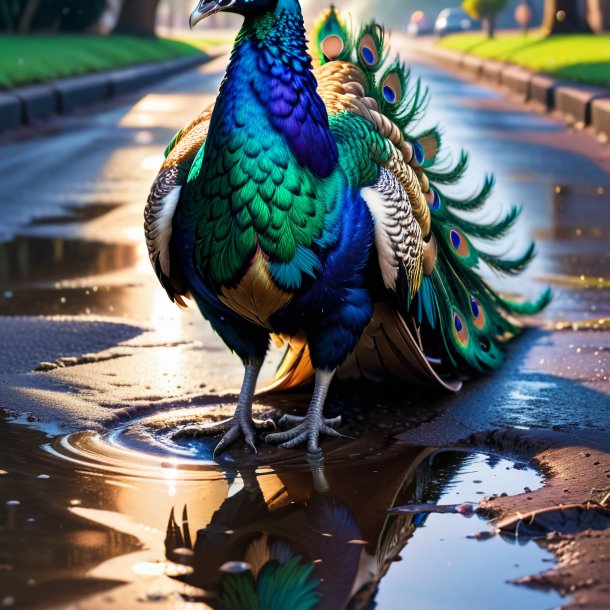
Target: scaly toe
(287, 435)
(287, 420)
(231, 436)
(306, 431)
(233, 429)
(198, 430)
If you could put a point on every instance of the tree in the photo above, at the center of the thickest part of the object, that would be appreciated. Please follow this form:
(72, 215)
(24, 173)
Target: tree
(138, 17)
(563, 17)
(26, 16)
(598, 15)
(487, 10)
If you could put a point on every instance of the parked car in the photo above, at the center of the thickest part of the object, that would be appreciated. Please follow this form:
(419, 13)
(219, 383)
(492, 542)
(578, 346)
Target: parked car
(453, 20)
(420, 24)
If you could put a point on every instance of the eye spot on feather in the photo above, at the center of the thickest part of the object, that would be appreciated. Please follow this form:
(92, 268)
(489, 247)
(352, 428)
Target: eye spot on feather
(418, 153)
(435, 205)
(332, 46)
(478, 314)
(459, 243)
(389, 94)
(392, 88)
(461, 330)
(368, 55)
(368, 52)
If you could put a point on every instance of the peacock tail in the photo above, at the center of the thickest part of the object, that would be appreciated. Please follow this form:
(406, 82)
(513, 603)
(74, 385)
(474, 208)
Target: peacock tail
(448, 312)
(288, 585)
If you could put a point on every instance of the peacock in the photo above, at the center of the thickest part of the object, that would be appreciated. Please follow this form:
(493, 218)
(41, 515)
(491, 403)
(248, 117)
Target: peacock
(303, 207)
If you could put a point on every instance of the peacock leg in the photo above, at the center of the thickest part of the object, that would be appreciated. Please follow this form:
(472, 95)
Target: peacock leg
(309, 428)
(241, 424)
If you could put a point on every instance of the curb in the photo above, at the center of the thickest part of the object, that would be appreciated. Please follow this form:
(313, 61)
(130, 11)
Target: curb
(518, 80)
(580, 105)
(34, 104)
(10, 111)
(574, 102)
(600, 115)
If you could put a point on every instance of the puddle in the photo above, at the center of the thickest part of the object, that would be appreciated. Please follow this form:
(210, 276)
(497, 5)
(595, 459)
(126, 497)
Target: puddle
(83, 514)
(27, 260)
(76, 214)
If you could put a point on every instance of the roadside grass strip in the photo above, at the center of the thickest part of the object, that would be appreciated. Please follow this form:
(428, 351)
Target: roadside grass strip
(582, 58)
(26, 60)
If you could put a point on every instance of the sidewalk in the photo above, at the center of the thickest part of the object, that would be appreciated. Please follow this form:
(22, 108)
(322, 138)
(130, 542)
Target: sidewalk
(581, 106)
(31, 105)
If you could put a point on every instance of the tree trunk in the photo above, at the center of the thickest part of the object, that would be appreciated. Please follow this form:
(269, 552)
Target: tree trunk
(490, 26)
(563, 17)
(25, 23)
(526, 23)
(598, 15)
(137, 18)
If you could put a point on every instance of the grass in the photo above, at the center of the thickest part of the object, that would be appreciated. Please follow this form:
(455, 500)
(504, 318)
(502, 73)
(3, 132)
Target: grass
(26, 60)
(583, 58)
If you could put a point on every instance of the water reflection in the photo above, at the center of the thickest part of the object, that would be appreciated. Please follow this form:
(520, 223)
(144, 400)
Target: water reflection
(319, 539)
(39, 259)
(246, 534)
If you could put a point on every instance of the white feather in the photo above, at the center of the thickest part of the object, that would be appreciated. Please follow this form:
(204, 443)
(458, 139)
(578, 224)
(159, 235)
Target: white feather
(386, 249)
(161, 228)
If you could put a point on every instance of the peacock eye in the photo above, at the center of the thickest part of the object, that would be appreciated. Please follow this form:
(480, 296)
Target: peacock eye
(459, 242)
(461, 330)
(418, 152)
(332, 46)
(478, 313)
(392, 88)
(389, 94)
(368, 52)
(476, 310)
(436, 201)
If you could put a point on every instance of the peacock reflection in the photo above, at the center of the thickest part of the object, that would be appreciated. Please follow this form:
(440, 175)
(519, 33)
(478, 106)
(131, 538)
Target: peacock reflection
(299, 539)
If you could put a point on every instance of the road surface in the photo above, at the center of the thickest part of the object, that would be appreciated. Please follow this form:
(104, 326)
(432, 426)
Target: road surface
(89, 338)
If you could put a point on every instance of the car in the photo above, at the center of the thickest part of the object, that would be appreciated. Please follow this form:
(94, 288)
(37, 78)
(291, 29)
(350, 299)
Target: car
(453, 20)
(420, 24)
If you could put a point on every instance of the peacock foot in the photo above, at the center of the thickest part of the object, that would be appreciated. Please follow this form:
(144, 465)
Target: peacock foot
(305, 430)
(232, 429)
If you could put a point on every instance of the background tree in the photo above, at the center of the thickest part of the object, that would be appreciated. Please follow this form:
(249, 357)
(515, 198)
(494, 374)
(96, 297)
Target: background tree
(564, 17)
(27, 16)
(487, 10)
(138, 17)
(598, 15)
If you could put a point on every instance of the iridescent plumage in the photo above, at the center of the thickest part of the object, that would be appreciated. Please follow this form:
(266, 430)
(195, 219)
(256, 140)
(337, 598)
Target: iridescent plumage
(304, 206)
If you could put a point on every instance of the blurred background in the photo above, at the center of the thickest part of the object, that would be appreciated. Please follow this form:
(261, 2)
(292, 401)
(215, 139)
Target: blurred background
(141, 16)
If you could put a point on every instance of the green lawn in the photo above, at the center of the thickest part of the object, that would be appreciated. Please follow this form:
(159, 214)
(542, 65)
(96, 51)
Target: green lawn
(35, 59)
(579, 57)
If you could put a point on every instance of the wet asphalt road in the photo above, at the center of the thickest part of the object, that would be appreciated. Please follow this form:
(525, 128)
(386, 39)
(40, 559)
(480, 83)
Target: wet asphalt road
(70, 223)
(89, 338)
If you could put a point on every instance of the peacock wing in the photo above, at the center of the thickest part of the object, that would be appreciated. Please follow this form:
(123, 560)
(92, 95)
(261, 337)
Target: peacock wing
(163, 200)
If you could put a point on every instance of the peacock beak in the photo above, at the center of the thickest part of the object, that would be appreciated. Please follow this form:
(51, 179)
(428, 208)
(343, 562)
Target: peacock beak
(204, 9)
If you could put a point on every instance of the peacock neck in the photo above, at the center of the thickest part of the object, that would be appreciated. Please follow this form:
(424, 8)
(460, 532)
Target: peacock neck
(270, 74)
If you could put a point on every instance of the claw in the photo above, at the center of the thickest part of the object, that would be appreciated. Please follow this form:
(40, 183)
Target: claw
(233, 429)
(307, 430)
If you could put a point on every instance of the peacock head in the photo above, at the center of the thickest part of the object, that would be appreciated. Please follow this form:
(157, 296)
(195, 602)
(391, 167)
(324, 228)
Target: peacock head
(205, 8)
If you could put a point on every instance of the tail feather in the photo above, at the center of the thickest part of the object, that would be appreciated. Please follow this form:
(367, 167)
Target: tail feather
(454, 302)
(476, 201)
(333, 40)
(295, 369)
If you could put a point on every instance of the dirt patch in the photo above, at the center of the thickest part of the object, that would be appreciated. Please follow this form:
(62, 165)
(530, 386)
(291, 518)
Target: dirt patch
(575, 475)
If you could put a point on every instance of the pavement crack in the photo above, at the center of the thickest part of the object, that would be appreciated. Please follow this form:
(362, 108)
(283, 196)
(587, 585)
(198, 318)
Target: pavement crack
(70, 361)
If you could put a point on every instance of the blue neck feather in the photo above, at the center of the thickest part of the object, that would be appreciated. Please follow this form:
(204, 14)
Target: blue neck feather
(270, 58)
